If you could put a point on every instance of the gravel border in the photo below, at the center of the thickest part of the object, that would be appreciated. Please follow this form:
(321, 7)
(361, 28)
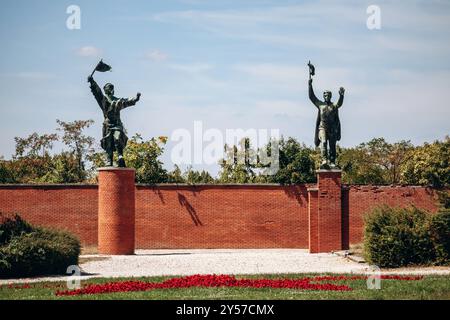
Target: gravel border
(222, 261)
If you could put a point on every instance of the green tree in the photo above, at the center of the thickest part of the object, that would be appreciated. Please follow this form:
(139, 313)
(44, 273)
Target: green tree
(428, 164)
(190, 176)
(239, 163)
(176, 176)
(64, 168)
(32, 160)
(34, 163)
(6, 174)
(374, 162)
(32, 167)
(144, 157)
(34, 145)
(357, 168)
(80, 145)
(296, 163)
(198, 177)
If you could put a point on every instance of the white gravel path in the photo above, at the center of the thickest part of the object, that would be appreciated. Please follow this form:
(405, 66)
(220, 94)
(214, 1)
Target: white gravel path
(221, 261)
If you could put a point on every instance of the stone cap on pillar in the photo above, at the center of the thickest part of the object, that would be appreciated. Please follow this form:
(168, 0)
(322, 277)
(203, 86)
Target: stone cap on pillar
(329, 170)
(115, 168)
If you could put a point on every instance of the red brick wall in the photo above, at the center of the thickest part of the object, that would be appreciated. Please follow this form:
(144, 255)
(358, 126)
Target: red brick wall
(222, 217)
(68, 207)
(357, 200)
(313, 212)
(215, 216)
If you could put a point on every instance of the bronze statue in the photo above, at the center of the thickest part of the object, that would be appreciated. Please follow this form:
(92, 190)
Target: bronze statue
(328, 125)
(114, 137)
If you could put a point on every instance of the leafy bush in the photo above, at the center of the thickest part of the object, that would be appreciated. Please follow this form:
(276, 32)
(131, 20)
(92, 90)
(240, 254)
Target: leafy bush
(395, 237)
(444, 199)
(36, 251)
(12, 226)
(440, 235)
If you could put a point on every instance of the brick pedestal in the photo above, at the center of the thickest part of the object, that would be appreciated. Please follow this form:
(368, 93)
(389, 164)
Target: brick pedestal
(325, 212)
(116, 211)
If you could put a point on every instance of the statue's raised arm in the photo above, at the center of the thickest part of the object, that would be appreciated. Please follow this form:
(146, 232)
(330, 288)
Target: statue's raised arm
(312, 96)
(341, 97)
(96, 91)
(131, 101)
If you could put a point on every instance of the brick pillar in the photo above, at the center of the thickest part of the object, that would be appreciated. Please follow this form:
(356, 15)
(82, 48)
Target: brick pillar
(116, 206)
(345, 219)
(313, 217)
(325, 212)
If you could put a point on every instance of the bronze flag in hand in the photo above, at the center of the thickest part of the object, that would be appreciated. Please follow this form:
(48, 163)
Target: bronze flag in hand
(101, 67)
(312, 70)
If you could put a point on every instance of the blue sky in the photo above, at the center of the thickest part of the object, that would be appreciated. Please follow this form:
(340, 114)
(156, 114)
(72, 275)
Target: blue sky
(230, 64)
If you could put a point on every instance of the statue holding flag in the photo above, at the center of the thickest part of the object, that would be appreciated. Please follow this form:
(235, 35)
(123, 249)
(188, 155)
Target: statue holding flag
(114, 137)
(328, 125)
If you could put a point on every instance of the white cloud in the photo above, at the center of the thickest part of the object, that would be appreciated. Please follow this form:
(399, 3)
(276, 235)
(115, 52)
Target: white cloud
(156, 55)
(89, 51)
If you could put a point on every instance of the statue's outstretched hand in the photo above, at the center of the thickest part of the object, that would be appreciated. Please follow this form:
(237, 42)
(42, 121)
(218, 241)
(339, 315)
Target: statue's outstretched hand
(138, 96)
(90, 78)
(341, 91)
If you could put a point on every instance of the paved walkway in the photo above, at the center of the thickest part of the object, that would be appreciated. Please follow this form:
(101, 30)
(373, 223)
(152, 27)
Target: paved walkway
(188, 262)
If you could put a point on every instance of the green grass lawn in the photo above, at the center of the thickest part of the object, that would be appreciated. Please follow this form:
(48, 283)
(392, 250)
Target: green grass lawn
(430, 287)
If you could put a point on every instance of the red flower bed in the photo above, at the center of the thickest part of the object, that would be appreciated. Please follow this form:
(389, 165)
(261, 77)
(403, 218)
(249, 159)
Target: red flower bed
(224, 281)
(361, 277)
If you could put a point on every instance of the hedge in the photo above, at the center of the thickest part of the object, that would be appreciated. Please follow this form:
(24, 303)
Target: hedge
(31, 251)
(440, 235)
(12, 226)
(396, 237)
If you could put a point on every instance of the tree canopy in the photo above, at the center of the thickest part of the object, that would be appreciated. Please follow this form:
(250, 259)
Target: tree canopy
(374, 162)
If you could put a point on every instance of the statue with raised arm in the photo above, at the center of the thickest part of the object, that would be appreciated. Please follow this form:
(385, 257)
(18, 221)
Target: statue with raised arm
(328, 125)
(114, 136)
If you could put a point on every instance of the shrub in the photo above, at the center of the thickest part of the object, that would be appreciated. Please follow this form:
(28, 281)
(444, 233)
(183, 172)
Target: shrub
(11, 226)
(440, 235)
(395, 237)
(444, 199)
(32, 251)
